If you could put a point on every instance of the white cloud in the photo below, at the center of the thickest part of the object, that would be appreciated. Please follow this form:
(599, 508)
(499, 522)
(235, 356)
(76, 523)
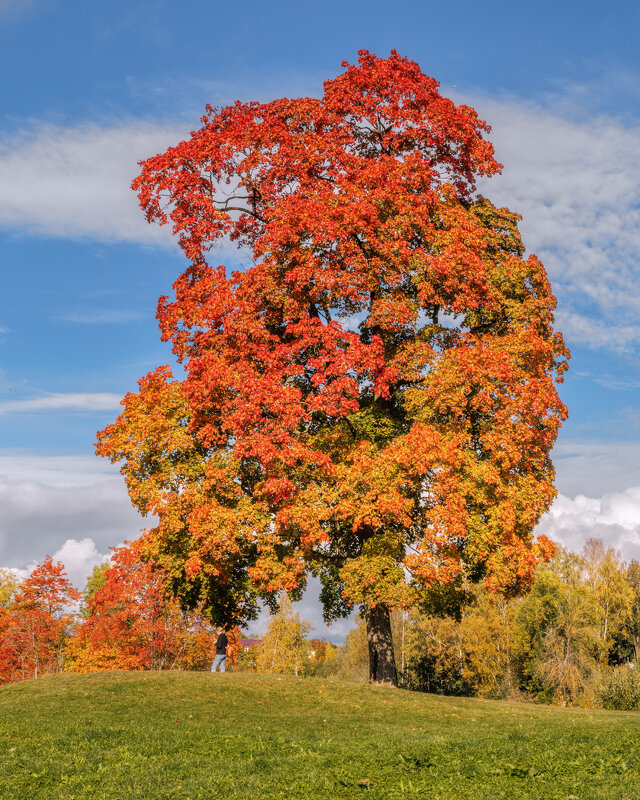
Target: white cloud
(594, 333)
(596, 468)
(79, 559)
(74, 182)
(87, 401)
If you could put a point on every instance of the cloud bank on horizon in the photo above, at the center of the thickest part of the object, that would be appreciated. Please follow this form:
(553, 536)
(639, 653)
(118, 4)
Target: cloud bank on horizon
(73, 508)
(76, 508)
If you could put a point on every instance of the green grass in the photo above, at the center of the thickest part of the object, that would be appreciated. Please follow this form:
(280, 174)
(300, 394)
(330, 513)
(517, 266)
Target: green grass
(166, 736)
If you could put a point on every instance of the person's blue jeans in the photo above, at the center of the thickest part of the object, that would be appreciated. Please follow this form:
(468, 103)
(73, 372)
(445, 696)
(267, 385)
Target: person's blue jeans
(218, 661)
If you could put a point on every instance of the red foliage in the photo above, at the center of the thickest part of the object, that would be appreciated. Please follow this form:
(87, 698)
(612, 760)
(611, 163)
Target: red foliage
(34, 630)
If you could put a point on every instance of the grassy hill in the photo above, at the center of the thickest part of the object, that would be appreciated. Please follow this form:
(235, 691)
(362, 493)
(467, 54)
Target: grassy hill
(181, 736)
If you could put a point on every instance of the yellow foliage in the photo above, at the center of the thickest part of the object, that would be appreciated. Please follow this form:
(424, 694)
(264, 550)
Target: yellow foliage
(284, 648)
(10, 582)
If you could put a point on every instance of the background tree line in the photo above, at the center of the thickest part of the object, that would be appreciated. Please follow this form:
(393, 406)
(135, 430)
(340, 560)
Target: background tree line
(574, 639)
(123, 620)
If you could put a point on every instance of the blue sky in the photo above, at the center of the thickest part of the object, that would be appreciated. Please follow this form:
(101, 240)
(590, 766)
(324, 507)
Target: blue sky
(91, 88)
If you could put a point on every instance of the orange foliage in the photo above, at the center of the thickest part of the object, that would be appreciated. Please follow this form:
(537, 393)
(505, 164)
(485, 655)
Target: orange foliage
(373, 398)
(131, 625)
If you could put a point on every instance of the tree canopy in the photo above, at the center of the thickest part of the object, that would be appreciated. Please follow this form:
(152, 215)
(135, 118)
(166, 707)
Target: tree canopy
(371, 399)
(35, 623)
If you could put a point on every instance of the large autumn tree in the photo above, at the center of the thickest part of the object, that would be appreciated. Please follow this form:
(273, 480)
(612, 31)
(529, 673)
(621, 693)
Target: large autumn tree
(371, 399)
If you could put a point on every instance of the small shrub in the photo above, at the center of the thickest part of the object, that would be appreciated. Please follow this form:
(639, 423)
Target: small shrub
(620, 691)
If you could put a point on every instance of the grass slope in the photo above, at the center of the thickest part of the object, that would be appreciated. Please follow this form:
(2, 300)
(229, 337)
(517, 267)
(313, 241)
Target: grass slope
(175, 736)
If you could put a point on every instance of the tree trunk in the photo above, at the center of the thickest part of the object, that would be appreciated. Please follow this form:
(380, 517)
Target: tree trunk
(382, 662)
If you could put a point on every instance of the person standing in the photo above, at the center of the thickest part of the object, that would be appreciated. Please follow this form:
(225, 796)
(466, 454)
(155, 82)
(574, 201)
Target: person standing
(221, 651)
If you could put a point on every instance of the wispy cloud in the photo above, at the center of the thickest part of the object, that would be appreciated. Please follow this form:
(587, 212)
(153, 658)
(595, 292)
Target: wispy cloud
(617, 384)
(60, 472)
(87, 401)
(14, 5)
(599, 330)
(576, 182)
(74, 182)
(100, 317)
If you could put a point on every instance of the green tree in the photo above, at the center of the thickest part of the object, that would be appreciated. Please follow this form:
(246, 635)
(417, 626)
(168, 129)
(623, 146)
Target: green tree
(95, 581)
(607, 577)
(633, 621)
(353, 658)
(626, 640)
(466, 656)
(556, 636)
